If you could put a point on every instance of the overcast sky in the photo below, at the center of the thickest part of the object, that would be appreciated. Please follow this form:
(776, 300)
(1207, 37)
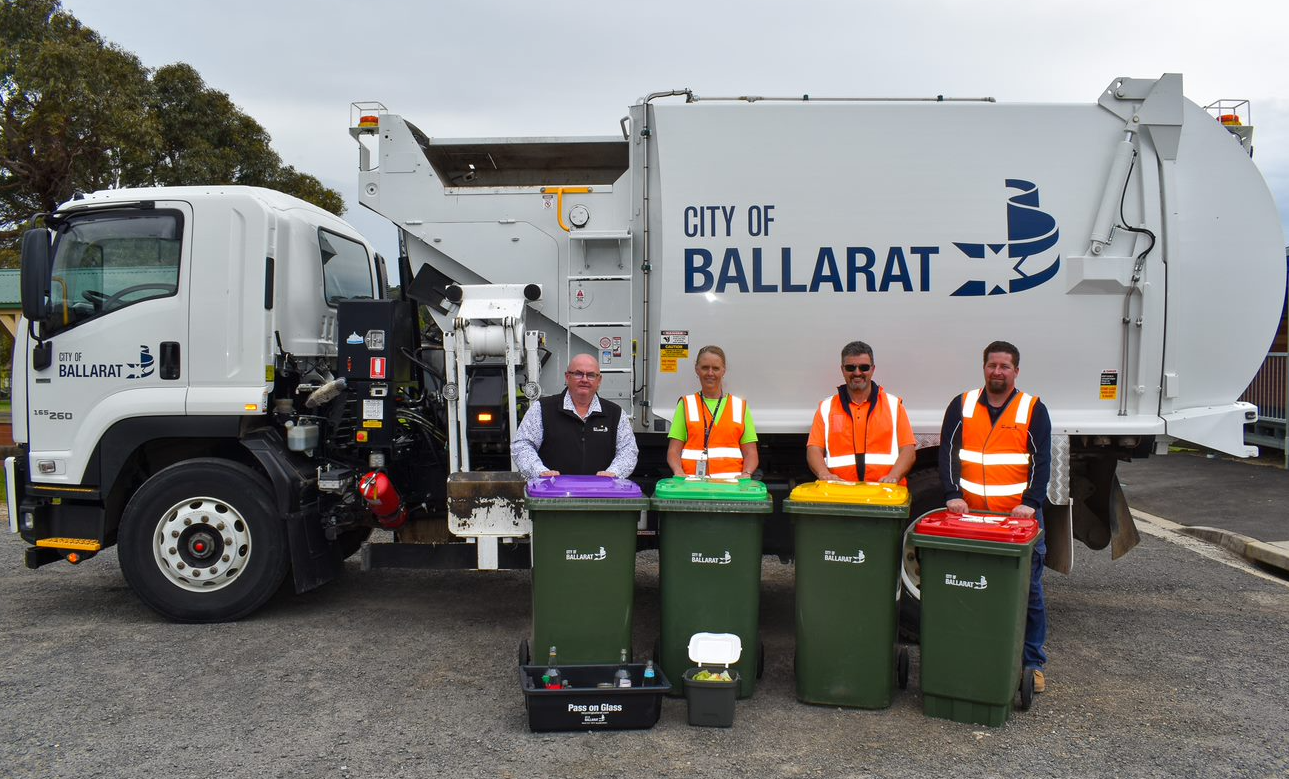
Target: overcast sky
(552, 67)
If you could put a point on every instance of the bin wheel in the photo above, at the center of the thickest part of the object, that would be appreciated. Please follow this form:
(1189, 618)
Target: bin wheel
(1026, 689)
(902, 668)
(927, 495)
(760, 658)
(524, 655)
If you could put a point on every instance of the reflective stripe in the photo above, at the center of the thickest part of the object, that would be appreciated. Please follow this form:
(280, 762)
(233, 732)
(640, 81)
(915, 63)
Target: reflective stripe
(723, 476)
(691, 407)
(889, 459)
(736, 404)
(825, 411)
(712, 454)
(839, 462)
(969, 403)
(1022, 408)
(992, 490)
(979, 458)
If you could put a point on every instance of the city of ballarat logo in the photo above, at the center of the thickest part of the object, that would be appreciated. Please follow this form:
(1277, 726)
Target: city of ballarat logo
(952, 580)
(701, 559)
(855, 559)
(573, 554)
(71, 366)
(1030, 233)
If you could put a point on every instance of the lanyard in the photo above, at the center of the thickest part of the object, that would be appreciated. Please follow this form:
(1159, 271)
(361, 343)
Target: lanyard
(707, 427)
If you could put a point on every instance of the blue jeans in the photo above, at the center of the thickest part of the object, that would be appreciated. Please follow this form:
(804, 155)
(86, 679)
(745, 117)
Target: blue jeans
(1036, 615)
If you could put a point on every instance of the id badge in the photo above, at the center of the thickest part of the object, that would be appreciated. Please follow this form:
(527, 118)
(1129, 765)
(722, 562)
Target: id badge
(700, 470)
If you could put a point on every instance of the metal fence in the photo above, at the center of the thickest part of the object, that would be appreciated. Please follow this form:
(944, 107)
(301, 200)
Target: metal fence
(1270, 393)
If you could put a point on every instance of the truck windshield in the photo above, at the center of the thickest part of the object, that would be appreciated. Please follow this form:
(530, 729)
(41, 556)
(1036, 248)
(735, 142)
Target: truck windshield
(346, 268)
(103, 262)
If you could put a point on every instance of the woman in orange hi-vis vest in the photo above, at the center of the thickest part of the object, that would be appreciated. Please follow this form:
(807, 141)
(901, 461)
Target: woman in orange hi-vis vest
(712, 435)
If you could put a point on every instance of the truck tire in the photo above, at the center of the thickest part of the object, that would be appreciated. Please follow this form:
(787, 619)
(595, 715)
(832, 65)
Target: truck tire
(201, 541)
(925, 494)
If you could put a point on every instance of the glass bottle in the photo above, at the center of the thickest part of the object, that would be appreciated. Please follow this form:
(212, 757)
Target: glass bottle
(552, 675)
(650, 675)
(622, 677)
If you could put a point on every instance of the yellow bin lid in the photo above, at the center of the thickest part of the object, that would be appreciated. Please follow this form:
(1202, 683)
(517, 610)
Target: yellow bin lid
(864, 493)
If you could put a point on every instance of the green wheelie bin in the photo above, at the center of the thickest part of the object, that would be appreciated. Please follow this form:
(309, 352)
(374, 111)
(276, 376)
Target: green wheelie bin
(584, 566)
(848, 540)
(975, 592)
(709, 559)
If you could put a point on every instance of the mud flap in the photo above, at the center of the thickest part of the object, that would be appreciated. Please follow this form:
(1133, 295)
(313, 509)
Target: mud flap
(314, 560)
(1100, 511)
(1123, 530)
(1058, 529)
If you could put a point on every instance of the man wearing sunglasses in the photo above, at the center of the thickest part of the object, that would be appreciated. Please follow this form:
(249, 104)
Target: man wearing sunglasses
(575, 432)
(996, 456)
(861, 432)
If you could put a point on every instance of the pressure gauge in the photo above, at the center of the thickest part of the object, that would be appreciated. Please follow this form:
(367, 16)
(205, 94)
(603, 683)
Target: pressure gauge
(579, 216)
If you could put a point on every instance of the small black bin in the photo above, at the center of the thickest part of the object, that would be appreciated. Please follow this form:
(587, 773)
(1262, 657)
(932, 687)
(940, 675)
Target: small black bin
(584, 706)
(711, 704)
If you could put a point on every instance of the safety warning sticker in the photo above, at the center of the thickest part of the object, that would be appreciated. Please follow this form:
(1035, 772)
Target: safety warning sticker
(1110, 385)
(673, 347)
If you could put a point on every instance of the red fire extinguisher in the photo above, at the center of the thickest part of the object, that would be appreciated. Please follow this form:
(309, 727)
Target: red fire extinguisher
(382, 499)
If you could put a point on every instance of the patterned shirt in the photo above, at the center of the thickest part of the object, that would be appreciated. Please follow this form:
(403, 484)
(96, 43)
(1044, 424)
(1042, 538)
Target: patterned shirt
(528, 439)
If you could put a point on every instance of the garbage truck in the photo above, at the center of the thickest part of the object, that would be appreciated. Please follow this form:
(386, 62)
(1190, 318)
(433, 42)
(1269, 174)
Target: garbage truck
(233, 388)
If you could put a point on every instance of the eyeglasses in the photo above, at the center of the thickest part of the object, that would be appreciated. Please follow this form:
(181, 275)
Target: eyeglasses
(582, 375)
(860, 368)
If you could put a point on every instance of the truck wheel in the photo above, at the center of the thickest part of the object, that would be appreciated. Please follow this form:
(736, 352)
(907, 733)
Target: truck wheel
(201, 541)
(925, 494)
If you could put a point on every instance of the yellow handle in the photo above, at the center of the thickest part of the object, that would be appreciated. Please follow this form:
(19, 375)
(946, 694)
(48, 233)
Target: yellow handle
(559, 203)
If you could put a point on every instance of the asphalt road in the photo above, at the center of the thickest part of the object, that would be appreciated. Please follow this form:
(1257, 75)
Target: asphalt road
(1166, 663)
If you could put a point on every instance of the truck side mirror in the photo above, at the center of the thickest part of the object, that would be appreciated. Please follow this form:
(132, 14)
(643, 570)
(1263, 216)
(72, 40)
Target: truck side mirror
(35, 277)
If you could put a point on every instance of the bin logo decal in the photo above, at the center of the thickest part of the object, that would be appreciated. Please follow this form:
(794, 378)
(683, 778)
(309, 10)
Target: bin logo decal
(699, 558)
(832, 557)
(952, 580)
(573, 554)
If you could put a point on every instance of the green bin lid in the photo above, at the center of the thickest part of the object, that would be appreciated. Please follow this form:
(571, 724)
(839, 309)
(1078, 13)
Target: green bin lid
(681, 493)
(689, 488)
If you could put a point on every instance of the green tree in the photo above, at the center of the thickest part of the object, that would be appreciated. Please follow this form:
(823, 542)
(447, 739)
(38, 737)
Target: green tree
(71, 112)
(78, 113)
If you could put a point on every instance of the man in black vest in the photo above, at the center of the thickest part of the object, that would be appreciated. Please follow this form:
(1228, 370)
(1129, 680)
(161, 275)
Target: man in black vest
(575, 432)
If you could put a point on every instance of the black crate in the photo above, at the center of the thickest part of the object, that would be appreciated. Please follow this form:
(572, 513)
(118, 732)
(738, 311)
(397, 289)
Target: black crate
(584, 706)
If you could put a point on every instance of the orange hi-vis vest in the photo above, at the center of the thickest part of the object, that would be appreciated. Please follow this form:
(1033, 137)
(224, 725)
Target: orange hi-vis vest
(995, 457)
(881, 444)
(722, 453)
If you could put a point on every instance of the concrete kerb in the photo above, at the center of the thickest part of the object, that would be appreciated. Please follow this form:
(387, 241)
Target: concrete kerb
(1275, 555)
(1271, 554)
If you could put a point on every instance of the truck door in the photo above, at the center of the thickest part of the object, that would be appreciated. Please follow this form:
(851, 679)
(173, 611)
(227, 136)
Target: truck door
(117, 332)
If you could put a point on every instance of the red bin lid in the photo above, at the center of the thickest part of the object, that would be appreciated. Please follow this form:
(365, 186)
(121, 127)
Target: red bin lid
(978, 527)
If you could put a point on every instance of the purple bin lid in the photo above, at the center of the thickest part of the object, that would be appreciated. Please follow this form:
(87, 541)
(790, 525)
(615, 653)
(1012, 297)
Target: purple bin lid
(583, 487)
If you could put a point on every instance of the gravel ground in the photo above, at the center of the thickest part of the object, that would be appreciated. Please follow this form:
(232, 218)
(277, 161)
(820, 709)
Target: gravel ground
(1163, 664)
